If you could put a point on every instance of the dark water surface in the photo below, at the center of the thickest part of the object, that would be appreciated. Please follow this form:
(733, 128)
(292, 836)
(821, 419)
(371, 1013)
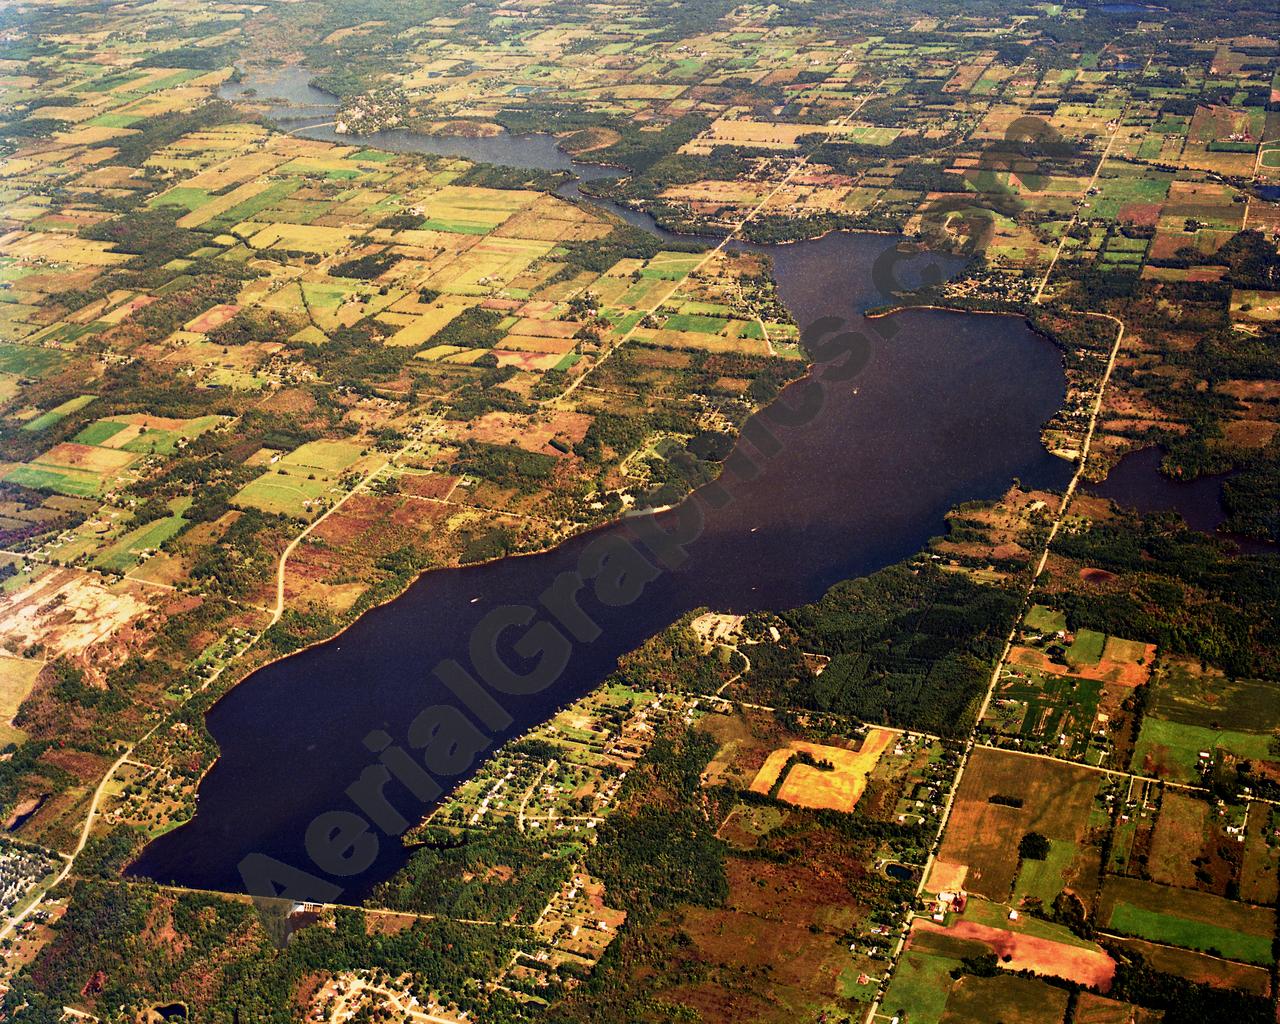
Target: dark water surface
(947, 410)
(1136, 482)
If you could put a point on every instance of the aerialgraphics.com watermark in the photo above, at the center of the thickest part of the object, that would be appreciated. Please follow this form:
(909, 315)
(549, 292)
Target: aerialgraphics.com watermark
(443, 742)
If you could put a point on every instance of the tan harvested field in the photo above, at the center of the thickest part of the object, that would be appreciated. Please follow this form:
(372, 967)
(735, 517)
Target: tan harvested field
(530, 361)
(535, 343)
(531, 433)
(1093, 1009)
(1126, 663)
(945, 876)
(87, 457)
(428, 485)
(17, 677)
(548, 220)
(699, 341)
(1005, 998)
(1178, 838)
(545, 328)
(211, 318)
(806, 786)
(221, 204)
(424, 327)
(1260, 872)
(762, 134)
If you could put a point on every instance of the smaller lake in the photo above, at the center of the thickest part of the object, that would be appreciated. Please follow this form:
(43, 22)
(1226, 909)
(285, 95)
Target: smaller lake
(902, 872)
(1136, 482)
(298, 107)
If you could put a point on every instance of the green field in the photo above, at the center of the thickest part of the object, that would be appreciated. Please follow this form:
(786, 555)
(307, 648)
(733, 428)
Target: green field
(330, 456)
(1043, 879)
(247, 210)
(28, 360)
(62, 481)
(165, 442)
(671, 266)
(695, 322)
(298, 480)
(1005, 997)
(1045, 620)
(1178, 931)
(456, 227)
(115, 120)
(1087, 647)
(921, 983)
(96, 433)
(1042, 706)
(283, 491)
(58, 413)
(183, 198)
(996, 915)
(123, 554)
(1175, 746)
(1183, 693)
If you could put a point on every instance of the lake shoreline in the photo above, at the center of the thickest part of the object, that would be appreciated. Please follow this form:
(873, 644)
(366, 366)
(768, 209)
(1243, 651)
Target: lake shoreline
(389, 648)
(370, 636)
(599, 527)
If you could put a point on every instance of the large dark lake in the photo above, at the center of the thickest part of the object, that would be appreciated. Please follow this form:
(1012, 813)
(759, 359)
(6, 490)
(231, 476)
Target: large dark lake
(948, 409)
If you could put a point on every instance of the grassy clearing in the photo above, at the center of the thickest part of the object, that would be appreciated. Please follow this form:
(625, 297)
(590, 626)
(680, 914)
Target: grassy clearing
(1045, 620)
(1087, 647)
(17, 677)
(29, 361)
(695, 322)
(1184, 692)
(1044, 879)
(125, 553)
(330, 456)
(1005, 998)
(291, 492)
(98, 432)
(80, 485)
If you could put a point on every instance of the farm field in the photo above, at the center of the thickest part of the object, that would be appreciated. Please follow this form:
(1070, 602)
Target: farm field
(924, 985)
(819, 776)
(17, 677)
(1003, 796)
(1068, 694)
(1196, 712)
(1191, 920)
(301, 482)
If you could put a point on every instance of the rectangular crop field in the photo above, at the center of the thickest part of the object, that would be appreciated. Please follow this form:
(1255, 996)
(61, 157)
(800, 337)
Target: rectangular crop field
(1003, 796)
(1187, 918)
